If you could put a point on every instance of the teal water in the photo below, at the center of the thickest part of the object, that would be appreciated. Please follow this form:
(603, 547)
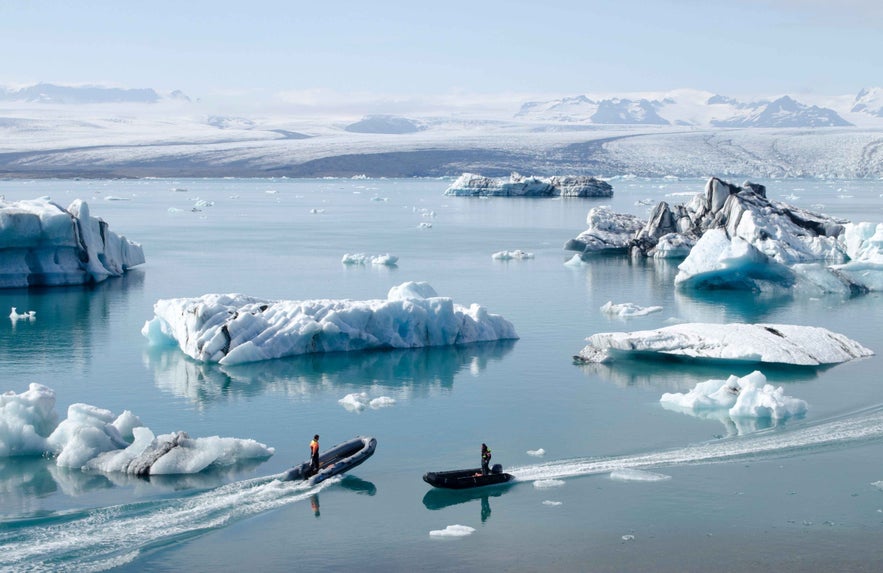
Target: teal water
(796, 496)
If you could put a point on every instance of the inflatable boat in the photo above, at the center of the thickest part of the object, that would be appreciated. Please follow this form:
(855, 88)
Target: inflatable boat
(337, 460)
(464, 479)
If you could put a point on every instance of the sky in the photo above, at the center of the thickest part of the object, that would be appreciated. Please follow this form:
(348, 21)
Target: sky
(453, 51)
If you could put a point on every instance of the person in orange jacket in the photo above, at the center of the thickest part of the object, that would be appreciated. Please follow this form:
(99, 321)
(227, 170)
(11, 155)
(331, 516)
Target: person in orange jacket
(314, 455)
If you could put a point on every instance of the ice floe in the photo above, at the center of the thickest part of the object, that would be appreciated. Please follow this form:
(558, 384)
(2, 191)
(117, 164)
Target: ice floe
(453, 531)
(363, 259)
(358, 401)
(516, 185)
(45, 244)
(768, 343)
(628, 309)
(92, 438)
(234, 328)
(537, 453)
(748, 397)
(517, 254)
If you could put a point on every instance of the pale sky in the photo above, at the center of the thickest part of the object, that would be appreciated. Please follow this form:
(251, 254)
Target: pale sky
(453, 49)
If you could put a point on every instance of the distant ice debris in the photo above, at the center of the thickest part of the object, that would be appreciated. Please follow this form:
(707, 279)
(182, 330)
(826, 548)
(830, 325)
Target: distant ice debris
(315, 211)
(551, 503)
(537, 453)
(770, 343)
(453, 531)
(45, 244)
(234, 328)
(424, 225)
(628, 309)
(735, 237)
(92, 438)
(15, 316)
(547, 483)
(516, 185)
(517, 254)
(637, 475)
(115, 198)
(358, 401)
(746, 397)
(362, 259)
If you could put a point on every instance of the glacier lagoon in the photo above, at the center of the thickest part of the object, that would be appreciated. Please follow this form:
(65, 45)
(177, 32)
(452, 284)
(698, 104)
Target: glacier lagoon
(799, 494)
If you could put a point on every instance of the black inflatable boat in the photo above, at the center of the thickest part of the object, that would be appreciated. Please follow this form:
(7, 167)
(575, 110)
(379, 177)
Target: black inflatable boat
(464, 479)
(337, 460)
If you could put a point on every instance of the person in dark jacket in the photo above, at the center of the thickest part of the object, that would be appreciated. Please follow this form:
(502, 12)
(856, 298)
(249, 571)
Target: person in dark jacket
(314, 455)
(485, 459)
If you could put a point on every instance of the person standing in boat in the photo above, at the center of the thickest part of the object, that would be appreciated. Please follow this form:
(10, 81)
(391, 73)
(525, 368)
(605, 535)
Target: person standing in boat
(314, 455)
(485, 459)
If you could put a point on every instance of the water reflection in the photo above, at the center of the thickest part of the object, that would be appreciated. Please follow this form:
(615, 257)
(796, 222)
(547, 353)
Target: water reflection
(442, 498)
(24, 480)
(732, 426)
(350, 483)
(674, 375)
(79, 312)
(419, 372)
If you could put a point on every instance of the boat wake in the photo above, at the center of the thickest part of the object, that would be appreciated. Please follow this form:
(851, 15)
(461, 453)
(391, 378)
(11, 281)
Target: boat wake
(865, 425)
(103, 538)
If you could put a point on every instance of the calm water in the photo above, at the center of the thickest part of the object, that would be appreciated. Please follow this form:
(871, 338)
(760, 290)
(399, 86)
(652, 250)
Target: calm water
(799, 496)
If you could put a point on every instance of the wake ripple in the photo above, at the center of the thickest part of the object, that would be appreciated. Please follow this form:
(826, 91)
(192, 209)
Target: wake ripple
(862, 426)
(112, 536)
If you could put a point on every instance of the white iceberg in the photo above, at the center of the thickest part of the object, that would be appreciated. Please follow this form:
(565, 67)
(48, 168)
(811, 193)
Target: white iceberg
(472, 185)
(92, 438)
(358, 401)
(768, 343)
(453, 531)
(234, 328)
(47, 245)
(628, 309)
(510, 255)
(748, 397)
(608, 232)
(363, 259)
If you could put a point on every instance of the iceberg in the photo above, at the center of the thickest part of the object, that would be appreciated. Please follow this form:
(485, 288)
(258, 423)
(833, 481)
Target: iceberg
(44, 244)
(628, 309)
(234, 328)
(748, 343)
(472, 185)
(737, 402)
(92, 438)
(734, 237)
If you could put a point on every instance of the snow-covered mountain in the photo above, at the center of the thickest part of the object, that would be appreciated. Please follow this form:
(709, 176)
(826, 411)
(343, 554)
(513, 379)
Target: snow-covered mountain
(699, 109)
(85, 94)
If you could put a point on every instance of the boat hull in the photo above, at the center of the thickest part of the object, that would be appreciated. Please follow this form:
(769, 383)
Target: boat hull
(466, 479)
(337, 460)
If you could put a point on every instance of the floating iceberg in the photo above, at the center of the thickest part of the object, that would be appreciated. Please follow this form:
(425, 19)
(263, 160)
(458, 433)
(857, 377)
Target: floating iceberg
(734, 237)
(768, 343)
(92, 438)
(45, 244)
(516, 185)
(363, 259)
(510, 255)
(737, 402)
(233, 328)
(628, 309)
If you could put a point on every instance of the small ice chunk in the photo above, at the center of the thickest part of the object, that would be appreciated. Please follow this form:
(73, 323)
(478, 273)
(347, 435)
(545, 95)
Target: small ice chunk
(453, 531)
(538, 453)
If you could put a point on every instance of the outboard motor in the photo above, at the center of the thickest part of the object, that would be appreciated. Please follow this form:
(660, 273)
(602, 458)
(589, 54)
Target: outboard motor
(497, 469)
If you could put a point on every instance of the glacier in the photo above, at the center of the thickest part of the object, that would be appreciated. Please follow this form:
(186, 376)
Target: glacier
(234, 328)
(734, 237)
(786, 344)
(92, 438)
(44, 244)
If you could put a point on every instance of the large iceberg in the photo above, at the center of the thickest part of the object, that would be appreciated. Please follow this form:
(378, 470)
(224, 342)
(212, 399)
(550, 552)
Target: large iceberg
(472, 185)
(734, 237)
(234, 328)
(752, 343)
(42, 243)
(92, 438)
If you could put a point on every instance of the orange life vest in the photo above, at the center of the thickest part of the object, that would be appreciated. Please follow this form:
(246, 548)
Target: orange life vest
(314, 448)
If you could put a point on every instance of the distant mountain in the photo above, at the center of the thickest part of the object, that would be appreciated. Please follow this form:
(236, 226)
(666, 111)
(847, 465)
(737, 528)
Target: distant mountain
(869, 101)
(688, 108)
(52, 93)
(386, 124)
(784, 112)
